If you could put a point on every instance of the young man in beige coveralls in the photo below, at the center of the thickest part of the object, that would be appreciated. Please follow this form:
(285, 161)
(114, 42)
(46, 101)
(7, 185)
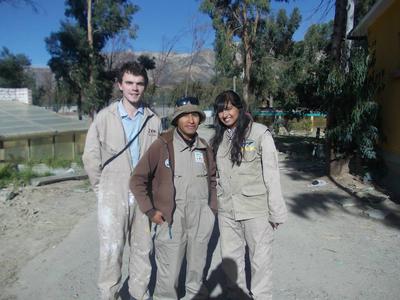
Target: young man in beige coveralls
(109, 169)
(174, 184)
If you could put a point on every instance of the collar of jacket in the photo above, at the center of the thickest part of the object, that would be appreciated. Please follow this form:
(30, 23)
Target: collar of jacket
(168, 137)
(114, 109)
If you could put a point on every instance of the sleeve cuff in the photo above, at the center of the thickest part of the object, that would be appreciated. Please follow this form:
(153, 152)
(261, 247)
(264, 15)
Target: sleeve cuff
(150, 213)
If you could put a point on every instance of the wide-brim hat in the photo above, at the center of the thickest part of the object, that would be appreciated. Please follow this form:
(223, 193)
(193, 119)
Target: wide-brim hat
(185, 109)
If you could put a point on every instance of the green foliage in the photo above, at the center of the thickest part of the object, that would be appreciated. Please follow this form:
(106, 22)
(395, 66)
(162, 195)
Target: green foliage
(203, 91)
(225, 52)
(206, 92)
(316, 41)
(9, 174)
(276, 33)
(303, 124)
(272, 55)
(147, 62)
(15, 73)
(13, 70)
(236, 24)
(275, 75)
(79, 66)
(350, 98)
(251, 41)
(309, 67)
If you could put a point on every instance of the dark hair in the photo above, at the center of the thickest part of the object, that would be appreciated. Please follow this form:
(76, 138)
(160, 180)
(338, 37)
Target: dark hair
(134, 68)
(242, 125)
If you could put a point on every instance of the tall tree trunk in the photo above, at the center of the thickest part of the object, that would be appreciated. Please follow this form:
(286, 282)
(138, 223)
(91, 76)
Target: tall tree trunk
(79, 105)
(90, 42)
(340, 53)
(248, 39)
(349, 27)
(246, 78)
(338, 35)
(247, 59)
(89, 24)
(339, 30)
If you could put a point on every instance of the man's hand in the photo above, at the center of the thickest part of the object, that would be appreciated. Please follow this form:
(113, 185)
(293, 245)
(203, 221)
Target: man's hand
(158, 217)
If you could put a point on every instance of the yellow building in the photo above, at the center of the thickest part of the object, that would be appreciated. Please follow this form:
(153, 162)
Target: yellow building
(382, 28)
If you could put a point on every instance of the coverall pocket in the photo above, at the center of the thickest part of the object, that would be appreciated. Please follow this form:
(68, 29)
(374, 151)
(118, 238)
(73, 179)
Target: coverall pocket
(254, 190)
(250, 160)
(249, 156)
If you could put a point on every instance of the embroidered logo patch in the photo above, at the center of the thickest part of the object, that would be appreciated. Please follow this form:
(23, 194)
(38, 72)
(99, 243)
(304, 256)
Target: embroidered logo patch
(249, 145)
(151, 132)
(198, 157)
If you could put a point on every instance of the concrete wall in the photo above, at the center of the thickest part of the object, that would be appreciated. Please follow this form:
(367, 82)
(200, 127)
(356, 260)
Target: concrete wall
(23, 95)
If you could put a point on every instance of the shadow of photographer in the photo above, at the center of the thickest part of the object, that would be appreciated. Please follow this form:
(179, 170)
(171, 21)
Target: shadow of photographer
(225, 275)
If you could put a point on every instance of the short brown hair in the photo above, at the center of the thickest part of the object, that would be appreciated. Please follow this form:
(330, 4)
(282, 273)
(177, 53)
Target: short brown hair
(134, 68)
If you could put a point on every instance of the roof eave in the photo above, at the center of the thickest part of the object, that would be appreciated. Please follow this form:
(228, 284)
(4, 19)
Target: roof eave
(376, 11)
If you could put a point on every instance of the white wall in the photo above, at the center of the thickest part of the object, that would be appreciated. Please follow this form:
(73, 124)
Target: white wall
(23, 95)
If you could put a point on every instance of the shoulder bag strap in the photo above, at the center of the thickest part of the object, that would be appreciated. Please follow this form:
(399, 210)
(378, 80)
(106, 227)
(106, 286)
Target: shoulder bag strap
(127, 145)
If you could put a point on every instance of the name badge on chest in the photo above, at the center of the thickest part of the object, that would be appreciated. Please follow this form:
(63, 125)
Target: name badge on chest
(198, 157)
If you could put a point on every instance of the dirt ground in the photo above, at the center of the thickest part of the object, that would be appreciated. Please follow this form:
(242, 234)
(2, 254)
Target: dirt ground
(38, 218)
(341, 241)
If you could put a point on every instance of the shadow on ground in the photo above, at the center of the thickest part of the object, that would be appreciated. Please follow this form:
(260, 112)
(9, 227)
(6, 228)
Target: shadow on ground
(215, 279)
(302, 159)
(322, 201)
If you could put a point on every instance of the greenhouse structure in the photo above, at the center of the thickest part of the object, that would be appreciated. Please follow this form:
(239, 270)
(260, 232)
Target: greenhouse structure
(32, 133)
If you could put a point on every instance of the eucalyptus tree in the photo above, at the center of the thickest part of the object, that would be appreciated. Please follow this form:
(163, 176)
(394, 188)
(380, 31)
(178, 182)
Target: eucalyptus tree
(13, 70)
(76, 49)
(235, 21)
(274, 56)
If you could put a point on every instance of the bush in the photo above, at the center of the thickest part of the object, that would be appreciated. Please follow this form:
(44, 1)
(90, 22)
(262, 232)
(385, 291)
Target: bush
(9, 174)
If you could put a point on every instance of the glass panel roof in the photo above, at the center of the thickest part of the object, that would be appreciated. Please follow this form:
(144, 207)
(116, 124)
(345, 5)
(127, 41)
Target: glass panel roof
(18, 120)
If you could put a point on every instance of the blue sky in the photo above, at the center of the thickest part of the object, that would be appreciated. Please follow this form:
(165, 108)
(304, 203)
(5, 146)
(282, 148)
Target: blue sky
(23, 31)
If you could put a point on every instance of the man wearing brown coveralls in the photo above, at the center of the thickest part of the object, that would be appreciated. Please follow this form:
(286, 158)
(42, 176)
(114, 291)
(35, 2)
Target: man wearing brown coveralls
(174, 184)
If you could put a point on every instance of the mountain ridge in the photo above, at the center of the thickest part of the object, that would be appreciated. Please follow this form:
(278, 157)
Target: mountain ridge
(172, 72)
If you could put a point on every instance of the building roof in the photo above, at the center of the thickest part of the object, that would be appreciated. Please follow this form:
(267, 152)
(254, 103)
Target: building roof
(375, 12)
(19, 120)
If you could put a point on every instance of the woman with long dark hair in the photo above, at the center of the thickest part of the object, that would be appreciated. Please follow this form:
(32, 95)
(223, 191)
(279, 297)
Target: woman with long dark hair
(250, 202)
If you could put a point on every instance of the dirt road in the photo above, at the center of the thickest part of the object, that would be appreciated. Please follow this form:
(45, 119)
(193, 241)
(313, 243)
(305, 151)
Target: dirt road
(329, 248)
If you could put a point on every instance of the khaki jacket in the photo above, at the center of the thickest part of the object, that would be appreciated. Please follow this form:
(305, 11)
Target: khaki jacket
(105, 138)
(152, 182)
(252, 189)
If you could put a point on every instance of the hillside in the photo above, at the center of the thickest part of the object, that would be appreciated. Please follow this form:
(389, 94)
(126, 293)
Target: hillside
(175, 70)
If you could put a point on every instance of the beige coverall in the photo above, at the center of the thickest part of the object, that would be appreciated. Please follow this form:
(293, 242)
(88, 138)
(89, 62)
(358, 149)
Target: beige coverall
(119, 217)
(193, 222)
(249, 197)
